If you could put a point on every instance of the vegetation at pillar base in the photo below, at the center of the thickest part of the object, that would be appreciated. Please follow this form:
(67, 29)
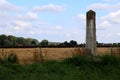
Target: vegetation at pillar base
(76, 68)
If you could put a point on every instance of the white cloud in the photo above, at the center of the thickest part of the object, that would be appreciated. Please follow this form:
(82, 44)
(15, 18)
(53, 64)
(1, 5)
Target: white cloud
(68, 35)
(41, 23)
(104, 6)
(4, 15)
(31, 32)
(29, 16)
(113, 17)
(9, 33)
(104, 24)
(80, 17)
(106, 0)
(20, 17)
(99, 6)
(109, 0)
(6, 6)
(58, 27)
(49, 7)
(118, 34)
(2, 24)
(75, 33)
(32, 16)
(16, 23)
(20, 25)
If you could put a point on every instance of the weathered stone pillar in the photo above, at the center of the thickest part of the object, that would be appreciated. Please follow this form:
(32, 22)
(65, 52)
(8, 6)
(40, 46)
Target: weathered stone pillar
(90, 33)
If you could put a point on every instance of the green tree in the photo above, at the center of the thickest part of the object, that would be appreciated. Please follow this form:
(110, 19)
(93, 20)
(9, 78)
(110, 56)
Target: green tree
(7, 43)
(3, 38)
(66, 44)
(73, 43)
(53, 43)
(21, 40)
(44, 42)
(28, 41)
(35, 41)
(12, 40)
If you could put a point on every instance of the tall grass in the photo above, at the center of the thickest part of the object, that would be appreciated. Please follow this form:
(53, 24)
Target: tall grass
(76, 68)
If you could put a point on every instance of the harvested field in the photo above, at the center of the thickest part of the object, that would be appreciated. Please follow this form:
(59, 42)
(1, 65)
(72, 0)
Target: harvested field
(29, 55)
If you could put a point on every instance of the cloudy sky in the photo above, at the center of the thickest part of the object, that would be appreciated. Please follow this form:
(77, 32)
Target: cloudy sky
(59, 20)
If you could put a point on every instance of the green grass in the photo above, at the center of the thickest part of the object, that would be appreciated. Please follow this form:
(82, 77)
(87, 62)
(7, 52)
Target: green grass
(77, 68)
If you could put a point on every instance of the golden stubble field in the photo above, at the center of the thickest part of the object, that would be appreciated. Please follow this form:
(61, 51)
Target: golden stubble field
(29, 55)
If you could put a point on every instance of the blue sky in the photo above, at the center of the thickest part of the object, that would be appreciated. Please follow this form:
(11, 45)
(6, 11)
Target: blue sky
(59, 20)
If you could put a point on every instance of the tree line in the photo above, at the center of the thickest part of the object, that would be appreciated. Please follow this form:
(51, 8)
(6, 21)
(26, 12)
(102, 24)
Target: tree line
(13, 41)
(10, 40)
(108, 44)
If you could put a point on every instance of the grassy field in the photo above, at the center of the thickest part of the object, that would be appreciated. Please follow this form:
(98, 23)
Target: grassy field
(76, 68)
(29, 55)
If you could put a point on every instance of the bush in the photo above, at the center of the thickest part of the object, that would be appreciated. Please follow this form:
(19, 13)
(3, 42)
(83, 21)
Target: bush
(109, 59)
(78, 60)
(11, 58)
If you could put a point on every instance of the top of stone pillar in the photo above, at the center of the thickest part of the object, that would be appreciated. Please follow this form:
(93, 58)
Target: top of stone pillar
(90, 14)
(91, 11)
